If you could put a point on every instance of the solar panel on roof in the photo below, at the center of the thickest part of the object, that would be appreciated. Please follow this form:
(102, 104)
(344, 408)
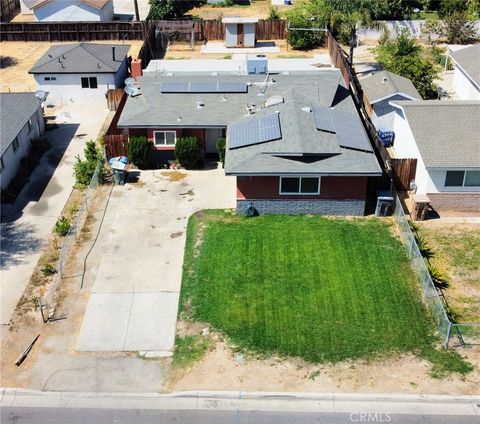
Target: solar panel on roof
(204, 87)
(324, 119)
(254, 131)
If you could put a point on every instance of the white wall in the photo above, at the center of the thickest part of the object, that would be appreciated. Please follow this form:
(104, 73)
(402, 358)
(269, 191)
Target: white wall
(71, 10)
(11, 159)
(464, 87)
(67, 88)
(437, 182)
(405, 147)
(384, 113)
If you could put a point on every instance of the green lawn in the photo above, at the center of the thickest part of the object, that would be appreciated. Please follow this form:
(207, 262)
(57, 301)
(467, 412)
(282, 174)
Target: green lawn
(313, 287)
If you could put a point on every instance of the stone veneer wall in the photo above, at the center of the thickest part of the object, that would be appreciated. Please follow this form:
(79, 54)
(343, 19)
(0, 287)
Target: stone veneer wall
(460, 202)
(303, 206)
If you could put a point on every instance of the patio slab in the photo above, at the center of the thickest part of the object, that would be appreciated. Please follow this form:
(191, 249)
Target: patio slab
(261, 47)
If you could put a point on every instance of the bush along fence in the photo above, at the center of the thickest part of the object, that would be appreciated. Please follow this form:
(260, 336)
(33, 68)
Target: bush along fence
(446, 327)
(71, 240)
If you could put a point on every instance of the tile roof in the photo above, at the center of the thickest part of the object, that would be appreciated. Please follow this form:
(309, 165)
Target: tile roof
(469, 60)
(97, 4)
(447, 133)
(384, 84)
(15, 110)
(299, 135)
(81, 58)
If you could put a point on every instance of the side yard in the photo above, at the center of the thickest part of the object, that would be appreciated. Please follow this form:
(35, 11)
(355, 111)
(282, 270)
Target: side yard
(455, 250)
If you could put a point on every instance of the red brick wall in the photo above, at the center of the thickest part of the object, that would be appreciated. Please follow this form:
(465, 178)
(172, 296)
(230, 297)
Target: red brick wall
(181, 132)
(330, 188)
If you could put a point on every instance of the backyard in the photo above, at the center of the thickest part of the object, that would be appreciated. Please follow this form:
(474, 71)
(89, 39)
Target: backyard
(321, 289)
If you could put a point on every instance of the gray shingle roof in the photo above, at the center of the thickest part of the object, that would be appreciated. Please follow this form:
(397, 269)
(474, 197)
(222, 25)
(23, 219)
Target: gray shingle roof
(384, 84)
(469, 60)
(15, 110)
(299, 134)
(447, 133)
(81, 58)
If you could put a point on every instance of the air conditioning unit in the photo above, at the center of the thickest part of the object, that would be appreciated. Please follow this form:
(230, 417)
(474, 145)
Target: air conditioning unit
(257, 64)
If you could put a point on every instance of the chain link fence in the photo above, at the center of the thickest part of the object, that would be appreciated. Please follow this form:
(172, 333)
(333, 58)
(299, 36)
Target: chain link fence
(448, 330)
(69, 241)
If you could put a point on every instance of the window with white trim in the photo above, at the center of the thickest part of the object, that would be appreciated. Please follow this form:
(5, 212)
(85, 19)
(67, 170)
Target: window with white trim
(15, 145)
(299, 185)
(462, 179)
(164, 138)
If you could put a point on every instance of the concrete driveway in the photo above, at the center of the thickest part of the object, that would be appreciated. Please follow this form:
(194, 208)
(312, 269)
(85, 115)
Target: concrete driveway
(27, 224)
(134, 300)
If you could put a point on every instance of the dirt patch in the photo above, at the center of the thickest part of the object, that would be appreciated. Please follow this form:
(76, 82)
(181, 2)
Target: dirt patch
(258, 9)
(188, 328)
(174, 175)
(175, 235)
(187, 193)
(219, 370)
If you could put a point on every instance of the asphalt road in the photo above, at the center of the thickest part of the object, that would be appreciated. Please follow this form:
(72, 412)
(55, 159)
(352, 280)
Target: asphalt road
(138, 416)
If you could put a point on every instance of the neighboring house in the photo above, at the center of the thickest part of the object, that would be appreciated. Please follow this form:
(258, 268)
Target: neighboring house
(294, 140)
(382, 87)
(466, 78)
(444, 137)
(73, 10)
(21, 117)
(81, 73)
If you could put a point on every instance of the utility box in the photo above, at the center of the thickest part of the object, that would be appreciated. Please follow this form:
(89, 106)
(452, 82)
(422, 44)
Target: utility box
(384, 204)
(257, 64)
(240, 32)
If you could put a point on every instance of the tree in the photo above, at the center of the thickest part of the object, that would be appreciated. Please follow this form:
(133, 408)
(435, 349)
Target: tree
(449, 7)
(457, 29)
(171, 9)
(405, 57)
(301, 39)
(473, 9)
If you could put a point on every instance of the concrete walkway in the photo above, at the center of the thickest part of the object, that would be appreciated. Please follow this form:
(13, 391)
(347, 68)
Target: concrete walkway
(134, 300)
(27, 224)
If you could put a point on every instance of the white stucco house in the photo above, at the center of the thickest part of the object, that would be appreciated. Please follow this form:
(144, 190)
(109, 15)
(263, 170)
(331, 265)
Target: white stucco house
(21, 117)
(444, 137)
(72, 10)
(81, 73)
(382, 87)
(466, 77)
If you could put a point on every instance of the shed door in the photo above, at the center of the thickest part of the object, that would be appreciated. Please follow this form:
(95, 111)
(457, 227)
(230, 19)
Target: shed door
(240, 35)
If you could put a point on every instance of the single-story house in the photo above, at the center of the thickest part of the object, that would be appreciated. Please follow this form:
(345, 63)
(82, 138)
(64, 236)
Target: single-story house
(379, 89)
(82, 72)
(466, 77)
(73, 10)
(295, 142)
(21, 117)
(444, 138)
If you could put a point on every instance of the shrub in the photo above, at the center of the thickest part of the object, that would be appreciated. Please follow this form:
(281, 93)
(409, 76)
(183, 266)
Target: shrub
(62, 226)
(48, 270)
(188, 152)
(84, 169)
(221, 143)
(273, 14)
(138, 149)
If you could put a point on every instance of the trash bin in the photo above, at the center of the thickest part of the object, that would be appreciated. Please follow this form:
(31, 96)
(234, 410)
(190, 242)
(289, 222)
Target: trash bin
(119, 172)
(384, 204)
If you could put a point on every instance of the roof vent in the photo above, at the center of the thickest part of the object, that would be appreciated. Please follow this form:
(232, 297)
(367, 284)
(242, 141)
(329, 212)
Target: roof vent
(285, 73)
(307, 109)
(384, 80)
(170, 74)
(214, 74)
(274, 100)
(200, 104)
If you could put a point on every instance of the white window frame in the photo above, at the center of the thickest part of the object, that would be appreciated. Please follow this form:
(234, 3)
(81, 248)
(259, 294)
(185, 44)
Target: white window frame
(464, 177)
(299, 185)
(15, 145)
(165, 138)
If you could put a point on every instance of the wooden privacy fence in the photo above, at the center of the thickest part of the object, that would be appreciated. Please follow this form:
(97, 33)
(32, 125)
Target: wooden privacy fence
(114, 98)
(73, 31)
(403, 172)
(93, 31)
(116, 145)
(7, 8)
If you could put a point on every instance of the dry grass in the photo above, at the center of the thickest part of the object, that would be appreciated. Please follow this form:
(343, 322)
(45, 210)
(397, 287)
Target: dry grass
(259, 9)
(25, 54)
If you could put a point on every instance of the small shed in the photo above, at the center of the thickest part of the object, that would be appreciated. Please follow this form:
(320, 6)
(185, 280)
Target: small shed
(240, 32)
